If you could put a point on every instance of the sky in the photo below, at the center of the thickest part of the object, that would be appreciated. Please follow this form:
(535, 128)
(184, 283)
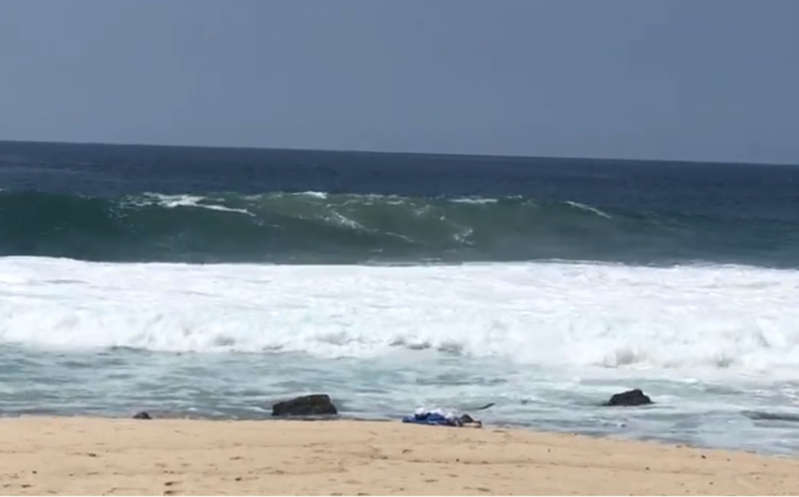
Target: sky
(713, 80)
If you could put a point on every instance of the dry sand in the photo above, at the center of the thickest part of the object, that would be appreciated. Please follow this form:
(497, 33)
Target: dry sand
(171, 457)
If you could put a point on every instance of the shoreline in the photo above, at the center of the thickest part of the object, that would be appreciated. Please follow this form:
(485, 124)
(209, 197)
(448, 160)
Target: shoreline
(494, 424)
(115, 456)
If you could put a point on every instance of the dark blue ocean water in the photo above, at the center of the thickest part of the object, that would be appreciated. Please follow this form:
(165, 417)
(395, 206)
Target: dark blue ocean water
(192, 204)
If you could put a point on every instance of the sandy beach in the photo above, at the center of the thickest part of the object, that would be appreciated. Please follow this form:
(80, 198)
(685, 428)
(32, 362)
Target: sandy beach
(66, 455)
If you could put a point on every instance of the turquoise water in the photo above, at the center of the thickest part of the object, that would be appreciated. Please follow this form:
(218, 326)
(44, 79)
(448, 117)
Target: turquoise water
(243, 386)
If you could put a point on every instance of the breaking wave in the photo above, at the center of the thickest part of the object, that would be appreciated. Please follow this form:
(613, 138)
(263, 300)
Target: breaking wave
(726, 318)
(319, 227)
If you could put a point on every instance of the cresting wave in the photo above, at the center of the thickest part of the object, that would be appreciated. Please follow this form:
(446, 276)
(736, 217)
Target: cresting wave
(316, 227)
(724, 319)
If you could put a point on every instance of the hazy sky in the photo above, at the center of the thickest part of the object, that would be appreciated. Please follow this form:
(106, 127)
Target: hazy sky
(699, 79)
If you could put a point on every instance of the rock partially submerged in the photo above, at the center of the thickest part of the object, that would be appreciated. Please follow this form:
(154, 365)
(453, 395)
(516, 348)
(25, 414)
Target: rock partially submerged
(307, 405)
(142, 415)
(633, 397)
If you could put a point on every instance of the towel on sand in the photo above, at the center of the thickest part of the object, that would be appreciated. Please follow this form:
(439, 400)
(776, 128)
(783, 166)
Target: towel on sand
(441, 418)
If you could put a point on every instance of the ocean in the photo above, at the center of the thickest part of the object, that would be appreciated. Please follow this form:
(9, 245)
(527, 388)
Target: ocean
(211, 282)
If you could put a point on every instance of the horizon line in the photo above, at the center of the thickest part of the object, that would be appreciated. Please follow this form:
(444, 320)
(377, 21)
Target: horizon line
(392, 152)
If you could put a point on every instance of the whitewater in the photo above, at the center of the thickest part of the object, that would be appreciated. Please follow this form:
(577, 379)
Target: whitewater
(716, 346)
(721, 320)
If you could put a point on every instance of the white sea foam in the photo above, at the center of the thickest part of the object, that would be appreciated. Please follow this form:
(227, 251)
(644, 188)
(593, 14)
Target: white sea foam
(740, 320)
(588, 208)
(173, 201)
(339, 219)
(474, 200)
(311, 193)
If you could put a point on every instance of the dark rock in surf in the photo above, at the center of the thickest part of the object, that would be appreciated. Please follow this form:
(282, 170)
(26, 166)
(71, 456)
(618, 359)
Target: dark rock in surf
(629, 398)
(307, 405)
(142, 415)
